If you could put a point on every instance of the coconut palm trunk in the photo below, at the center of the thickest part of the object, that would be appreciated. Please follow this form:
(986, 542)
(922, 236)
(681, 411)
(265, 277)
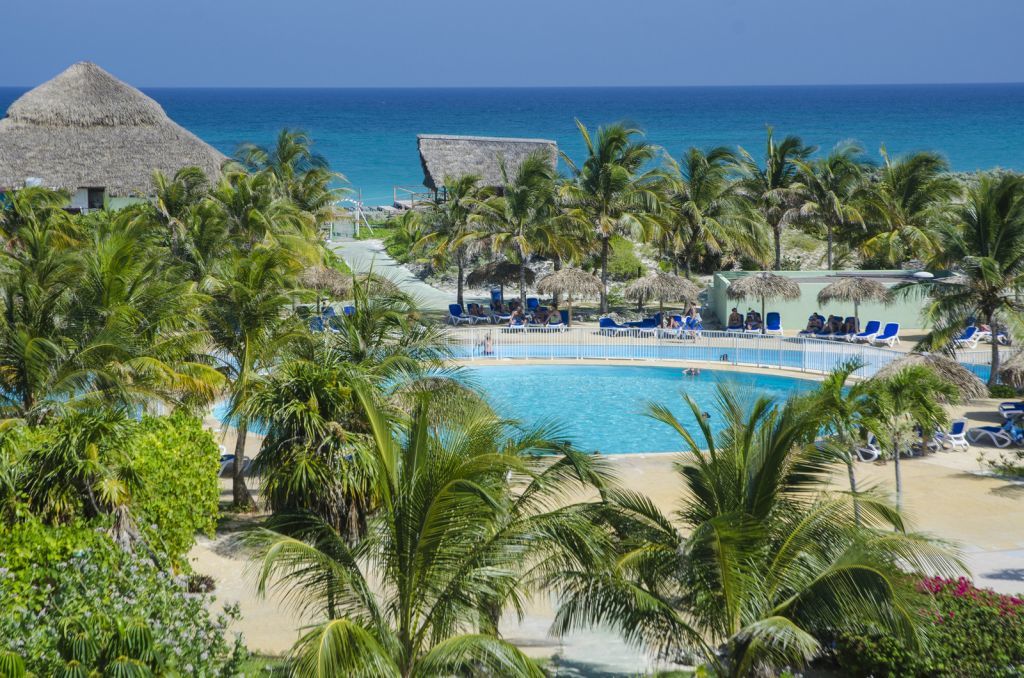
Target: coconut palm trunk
(460, 263)
(896, 463)
(604, 274)
(777, 233)
(993, 376)
(239, 491)
(828, 248)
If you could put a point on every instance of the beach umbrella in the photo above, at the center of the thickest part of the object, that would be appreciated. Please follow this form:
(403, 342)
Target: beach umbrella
(326, 282)
(855, 289)
(1012, 371)
(498, 273)
(765, 286)
(947, 369)
(573, 283)
(663, 287)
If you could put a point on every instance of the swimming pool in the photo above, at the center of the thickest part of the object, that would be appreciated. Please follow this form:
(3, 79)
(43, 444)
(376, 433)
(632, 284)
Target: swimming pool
(601, 408)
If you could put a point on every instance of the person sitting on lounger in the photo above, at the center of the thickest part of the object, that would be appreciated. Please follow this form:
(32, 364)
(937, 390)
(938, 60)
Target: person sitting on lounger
(554, 315)
(735, 319)
(753, 320)
(540, 316)
(517, 317)
(835, 325)
(814, 323)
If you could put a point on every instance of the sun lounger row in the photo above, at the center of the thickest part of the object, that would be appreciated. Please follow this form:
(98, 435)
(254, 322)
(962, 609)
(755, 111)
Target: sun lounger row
(873, 333)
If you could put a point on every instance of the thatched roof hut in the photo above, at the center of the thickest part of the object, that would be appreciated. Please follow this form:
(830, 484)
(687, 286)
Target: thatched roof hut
(947, 369)
(1012, 371)
(87, 129)
(453, 156)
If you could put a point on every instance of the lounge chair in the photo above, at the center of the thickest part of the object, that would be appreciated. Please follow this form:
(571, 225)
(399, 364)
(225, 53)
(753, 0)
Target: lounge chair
(609, 327)
(1011, 409)
(956, 437)
(969, 338)
(890, 335)
(850, 321)
(870, 332)
(692, 327)
(532, 304)
(519, 325)
(349, 310)
(871, 451)
(735, 328)
(823, 333)
(477, 313)
(456, 316)
(773, 323)
(1000, 436)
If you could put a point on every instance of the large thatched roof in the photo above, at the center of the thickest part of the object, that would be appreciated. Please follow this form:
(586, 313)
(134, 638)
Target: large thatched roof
(86, 128)
(453, 156)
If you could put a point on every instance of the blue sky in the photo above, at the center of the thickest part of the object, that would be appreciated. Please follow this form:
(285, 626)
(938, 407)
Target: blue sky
(339, 43)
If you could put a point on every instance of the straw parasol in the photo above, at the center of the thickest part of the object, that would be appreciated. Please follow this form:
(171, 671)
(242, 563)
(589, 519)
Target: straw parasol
(1012, 371)
(663, 287)
(763, 285)
(87, 129)
(855, 289)
(572, 282)
(325, 281)
(499, 273)
(947, 369)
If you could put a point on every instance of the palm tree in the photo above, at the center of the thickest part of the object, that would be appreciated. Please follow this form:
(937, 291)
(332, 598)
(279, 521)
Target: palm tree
(450, 231)
(249, 329)
(904, 204)
(313, 418)
(466, 526)
(704, 210)
(176, 198)
(830, 187)
(985, 245)
(250, 209)
(772, 188)
(523, 220)
(760, 561)
(905, 402)
(610, 192)
(302, 176)
(845, 410)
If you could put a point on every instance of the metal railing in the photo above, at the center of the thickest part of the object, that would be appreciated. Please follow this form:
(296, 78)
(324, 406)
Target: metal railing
(495, 342)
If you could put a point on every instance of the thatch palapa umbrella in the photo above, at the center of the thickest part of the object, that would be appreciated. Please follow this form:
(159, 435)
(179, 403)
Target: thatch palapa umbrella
(498, 273)
(663, 287)
(763, 285)
(947, 369)
(1012, 371)
(573, 283)
(326, 282)
(855, 289)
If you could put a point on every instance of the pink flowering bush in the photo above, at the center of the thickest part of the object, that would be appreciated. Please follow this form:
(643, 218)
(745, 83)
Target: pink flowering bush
(969, 632)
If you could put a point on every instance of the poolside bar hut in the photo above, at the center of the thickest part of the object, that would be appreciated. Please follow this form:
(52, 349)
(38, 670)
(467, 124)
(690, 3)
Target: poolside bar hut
(96, 137)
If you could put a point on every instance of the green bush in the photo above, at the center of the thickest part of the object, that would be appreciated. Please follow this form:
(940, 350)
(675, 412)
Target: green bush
(1002, 391)
(969, 632)
(56, 578)
(623, 263)
(177, 461)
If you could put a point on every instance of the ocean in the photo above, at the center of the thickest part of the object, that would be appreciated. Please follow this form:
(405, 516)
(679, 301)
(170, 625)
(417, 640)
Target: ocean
(369, 135)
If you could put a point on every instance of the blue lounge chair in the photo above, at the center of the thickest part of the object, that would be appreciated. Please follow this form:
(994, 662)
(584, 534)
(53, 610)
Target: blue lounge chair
(316, 324)
(1011, 409)
(329, 312)
(824, 332)
(456, 316)
(869, 333)
(890, 335)
(1000, 436)
(772, 323)
(609, 327)
(735, 328)
(532, 304)
(477, 313)
(969, 338)
(519, 325)
(565, 317)
(349, 310)
(954, 438)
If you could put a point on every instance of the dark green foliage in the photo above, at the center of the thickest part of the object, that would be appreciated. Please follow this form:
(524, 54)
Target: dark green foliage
(623, 263)
(1002, 391)
(970, 632)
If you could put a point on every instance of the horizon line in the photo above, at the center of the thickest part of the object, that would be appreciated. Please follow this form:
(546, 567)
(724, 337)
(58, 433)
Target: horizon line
(558, 87)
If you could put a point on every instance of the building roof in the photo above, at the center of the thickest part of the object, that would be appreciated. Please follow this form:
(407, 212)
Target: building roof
(86, 128)
(452, 156)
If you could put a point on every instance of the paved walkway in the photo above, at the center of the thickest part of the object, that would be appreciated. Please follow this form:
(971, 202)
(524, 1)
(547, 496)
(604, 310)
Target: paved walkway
(364, 255)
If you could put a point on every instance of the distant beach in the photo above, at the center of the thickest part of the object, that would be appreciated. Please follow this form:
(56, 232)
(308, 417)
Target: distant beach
(370, 134)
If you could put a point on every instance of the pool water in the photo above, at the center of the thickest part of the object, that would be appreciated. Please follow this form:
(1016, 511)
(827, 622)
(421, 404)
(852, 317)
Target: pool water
(601, 408)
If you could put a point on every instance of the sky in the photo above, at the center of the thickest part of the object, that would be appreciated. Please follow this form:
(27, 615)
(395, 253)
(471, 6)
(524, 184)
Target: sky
(469, 43)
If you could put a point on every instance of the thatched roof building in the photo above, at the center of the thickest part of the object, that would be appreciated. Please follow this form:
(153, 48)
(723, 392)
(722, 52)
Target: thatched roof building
(87, 129)
(453, 156)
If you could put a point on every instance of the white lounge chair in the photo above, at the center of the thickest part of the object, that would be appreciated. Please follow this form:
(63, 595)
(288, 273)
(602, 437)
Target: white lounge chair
(969, 338)
(957, 435)
(890, 336)
(871, 451)
(1000, 436)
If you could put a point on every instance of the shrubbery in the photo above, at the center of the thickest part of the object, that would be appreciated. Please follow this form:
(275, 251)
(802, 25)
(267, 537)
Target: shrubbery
(973, 632)
(177, 461)
(1002, 391)
(55, 579)
(623, 263)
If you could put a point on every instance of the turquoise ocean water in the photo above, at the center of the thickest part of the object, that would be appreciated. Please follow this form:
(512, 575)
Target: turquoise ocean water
(370, 134)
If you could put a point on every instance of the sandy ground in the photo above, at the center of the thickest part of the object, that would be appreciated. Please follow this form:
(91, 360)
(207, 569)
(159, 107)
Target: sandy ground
(946, 495)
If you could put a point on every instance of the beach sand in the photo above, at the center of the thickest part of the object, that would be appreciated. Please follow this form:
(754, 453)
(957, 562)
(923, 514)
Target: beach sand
(945, 495)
